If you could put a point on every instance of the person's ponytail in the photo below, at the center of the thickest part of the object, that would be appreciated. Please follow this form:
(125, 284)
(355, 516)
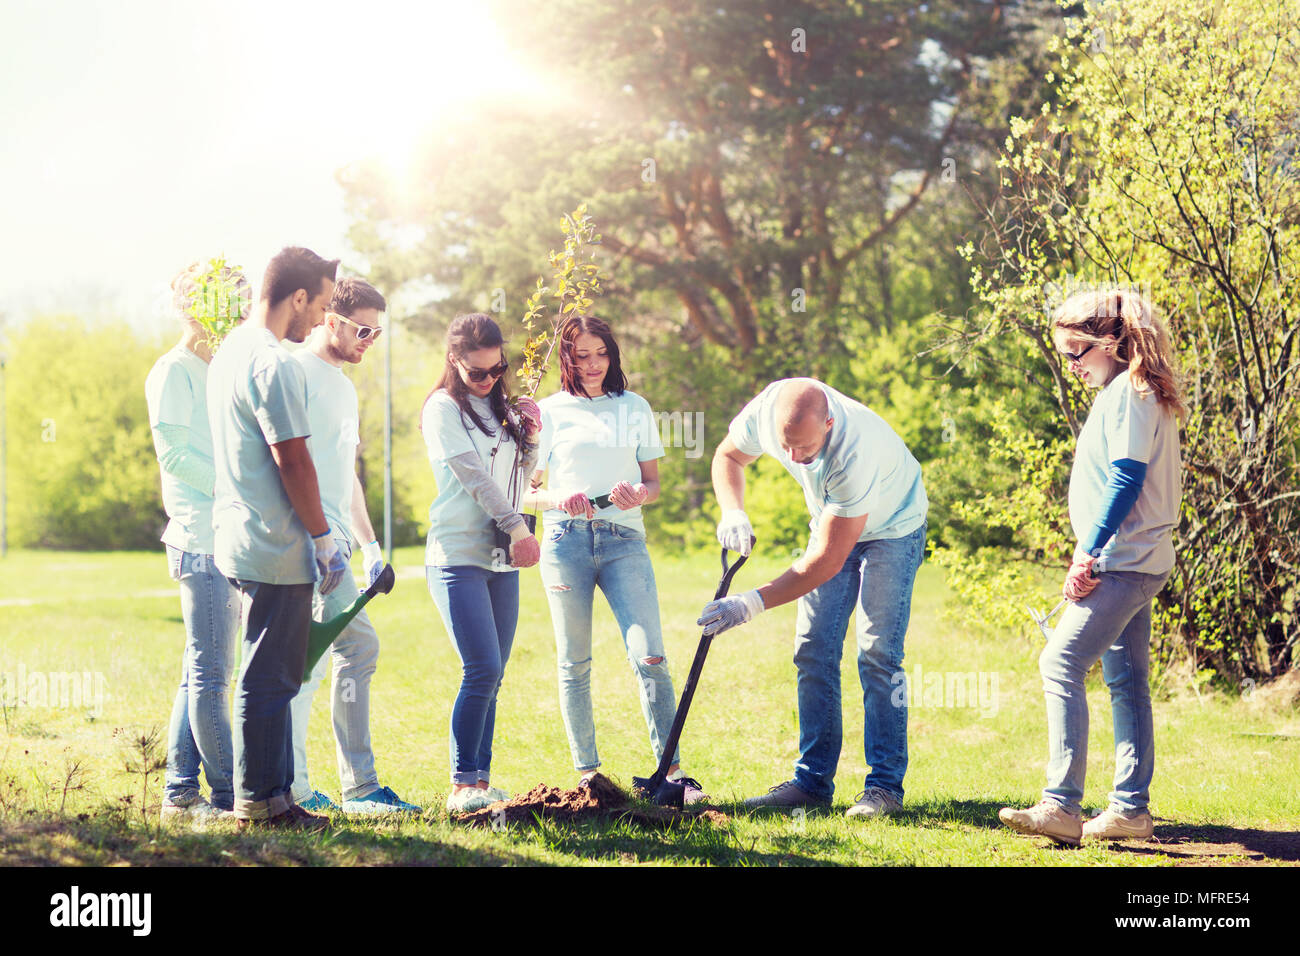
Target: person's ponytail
(1143, 344)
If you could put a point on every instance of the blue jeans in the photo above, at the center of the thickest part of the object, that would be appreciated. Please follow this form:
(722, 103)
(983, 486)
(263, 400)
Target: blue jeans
(354, 656)
(276, 621)
(877, 579)
(1112, 623)
(199, 729)
(577, 557)
(480, 609)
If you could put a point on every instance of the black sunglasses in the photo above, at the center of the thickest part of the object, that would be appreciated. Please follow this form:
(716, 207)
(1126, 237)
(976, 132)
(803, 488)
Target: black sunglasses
(478, 374)
(1078, 356)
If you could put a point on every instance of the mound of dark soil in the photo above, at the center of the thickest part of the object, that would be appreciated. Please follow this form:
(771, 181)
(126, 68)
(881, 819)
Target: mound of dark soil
(601, 799)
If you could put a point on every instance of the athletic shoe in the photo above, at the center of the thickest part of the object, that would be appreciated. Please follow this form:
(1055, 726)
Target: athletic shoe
(467, 800)
(1113, 824)
(380, 801)
(318, 802)
(875, 802)
(496, 794)
(195, 808)
(295, 818)
(1046, 818)
(694, 789)
(788, 794)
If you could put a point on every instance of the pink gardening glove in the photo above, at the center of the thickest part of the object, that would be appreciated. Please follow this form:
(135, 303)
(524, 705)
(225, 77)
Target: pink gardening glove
(1079, 580)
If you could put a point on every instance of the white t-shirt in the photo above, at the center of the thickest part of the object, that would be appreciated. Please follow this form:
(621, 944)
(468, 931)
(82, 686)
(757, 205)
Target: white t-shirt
(591, 444)
(1125, 424)
(332, 414)
(257, 397)
(460, 531)
(176, 392)
(864, 467)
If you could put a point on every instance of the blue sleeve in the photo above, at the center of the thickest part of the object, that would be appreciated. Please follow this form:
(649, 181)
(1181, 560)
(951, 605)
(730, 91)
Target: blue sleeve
(1123, 485)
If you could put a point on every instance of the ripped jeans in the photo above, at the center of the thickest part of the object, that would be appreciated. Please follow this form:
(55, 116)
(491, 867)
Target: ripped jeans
(577, 557)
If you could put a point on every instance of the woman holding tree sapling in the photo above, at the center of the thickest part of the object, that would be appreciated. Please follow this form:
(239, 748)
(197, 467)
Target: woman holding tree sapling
(600, 449)
(1124, 501)
(481, 452)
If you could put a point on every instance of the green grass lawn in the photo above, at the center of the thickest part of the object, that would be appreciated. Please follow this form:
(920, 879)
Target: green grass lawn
(1225, 789)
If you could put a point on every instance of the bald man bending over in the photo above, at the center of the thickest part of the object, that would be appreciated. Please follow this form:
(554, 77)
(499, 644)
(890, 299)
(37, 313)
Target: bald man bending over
(867, 505)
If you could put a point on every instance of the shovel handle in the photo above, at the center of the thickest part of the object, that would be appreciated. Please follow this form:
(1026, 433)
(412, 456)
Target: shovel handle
(729, 571)
(697, 665)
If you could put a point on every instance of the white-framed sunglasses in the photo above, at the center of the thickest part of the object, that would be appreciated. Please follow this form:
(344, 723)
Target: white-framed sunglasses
(363, 331)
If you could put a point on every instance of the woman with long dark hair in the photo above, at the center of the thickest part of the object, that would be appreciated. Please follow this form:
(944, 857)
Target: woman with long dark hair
(482, 452)
(600, 448)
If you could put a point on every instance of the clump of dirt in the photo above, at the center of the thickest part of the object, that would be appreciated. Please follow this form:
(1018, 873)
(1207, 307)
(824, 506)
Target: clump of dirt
(601, 799)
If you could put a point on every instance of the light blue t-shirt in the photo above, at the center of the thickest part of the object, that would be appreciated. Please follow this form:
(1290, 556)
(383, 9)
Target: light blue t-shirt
(332, 415)
(591, 444)
(864, 467)
(176, 392)
(257, 397)
(1126, 424)
(460, 531)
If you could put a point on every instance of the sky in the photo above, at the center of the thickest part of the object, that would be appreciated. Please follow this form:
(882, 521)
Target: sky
(140, 135)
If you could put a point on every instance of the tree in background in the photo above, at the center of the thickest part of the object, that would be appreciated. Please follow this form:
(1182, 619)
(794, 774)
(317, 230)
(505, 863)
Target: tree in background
(782, 189)
(746, 158)
(1168, 164)
(81, 460)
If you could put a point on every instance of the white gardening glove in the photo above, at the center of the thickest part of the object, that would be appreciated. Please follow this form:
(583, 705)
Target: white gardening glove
(728, 612)
(734, 532)
(372, 559)
(330, 566)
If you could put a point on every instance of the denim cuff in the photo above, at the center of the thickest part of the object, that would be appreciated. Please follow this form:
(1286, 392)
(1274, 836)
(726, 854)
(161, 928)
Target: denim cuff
(262, 809)
(468, 777)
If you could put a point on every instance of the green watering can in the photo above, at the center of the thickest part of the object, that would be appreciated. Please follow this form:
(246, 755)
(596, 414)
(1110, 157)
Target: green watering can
(323, 632)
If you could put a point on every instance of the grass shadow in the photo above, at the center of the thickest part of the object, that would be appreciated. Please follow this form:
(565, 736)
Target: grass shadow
(981, 814)
(1201, 845)
(693, 843)
(89, 840)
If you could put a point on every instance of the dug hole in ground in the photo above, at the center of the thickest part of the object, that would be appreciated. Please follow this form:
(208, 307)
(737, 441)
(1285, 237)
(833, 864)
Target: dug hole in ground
(600, 800)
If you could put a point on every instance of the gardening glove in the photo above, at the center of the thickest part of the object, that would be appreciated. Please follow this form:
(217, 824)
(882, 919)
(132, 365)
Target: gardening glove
(626, 496)
(372, 558)
(734, 532)
(330, 566)
(525, 549)
(577, 504)
(727, 612)
(1080, 580)
(532, 415)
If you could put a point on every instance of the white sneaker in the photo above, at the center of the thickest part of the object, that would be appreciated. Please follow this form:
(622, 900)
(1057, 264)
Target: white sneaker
(496, 794)
(467, 800)
(197, 809)
(875, 802)
(1113, 824)
(1046, 818)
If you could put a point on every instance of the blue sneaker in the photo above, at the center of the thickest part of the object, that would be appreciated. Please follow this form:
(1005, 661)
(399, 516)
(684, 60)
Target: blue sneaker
(382, 800)
(318, 803)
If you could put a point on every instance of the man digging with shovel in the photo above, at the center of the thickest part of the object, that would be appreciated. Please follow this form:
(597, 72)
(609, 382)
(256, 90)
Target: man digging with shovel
(868, 506)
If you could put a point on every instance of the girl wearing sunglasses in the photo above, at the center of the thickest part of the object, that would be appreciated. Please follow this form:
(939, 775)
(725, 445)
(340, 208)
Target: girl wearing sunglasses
(474, 582)
(600, 448)
(1125, 490)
